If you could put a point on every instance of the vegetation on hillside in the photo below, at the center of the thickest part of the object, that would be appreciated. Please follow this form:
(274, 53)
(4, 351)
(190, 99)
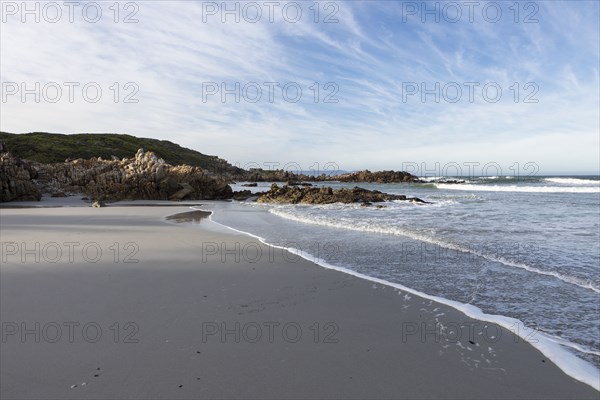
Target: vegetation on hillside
(52, 147)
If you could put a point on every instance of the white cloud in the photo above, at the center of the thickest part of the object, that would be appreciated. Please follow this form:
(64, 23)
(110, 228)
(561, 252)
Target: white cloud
(370, 53)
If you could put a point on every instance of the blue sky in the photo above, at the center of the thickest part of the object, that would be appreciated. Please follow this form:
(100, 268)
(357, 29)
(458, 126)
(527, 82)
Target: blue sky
(372, 54)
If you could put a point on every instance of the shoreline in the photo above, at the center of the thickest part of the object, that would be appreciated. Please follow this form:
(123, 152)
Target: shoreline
(449, 245)
(569, 363)
(367, 314)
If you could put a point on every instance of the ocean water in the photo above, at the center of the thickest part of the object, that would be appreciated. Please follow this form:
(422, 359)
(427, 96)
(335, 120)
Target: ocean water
(527, 249)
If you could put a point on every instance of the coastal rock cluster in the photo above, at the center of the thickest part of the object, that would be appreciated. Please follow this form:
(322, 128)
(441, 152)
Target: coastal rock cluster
(143, 177)
(276, 175)
(327, 195)
(260, 175)
(17, 179)
(148, 177)
(376, 177)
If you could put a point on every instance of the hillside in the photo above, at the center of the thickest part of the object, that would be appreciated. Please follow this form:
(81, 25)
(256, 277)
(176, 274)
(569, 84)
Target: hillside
(53, 147)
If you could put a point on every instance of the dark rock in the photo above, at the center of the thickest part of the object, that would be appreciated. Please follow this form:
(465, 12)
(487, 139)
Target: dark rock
(17, 179)
(186, 189)
(376, 177)
(254, 184)
(243, 195)
(326, 195)
(293, 179)
(59, 194)
(276, 175)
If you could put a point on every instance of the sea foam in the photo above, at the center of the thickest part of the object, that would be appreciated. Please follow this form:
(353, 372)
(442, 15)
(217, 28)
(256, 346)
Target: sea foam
(515, 188)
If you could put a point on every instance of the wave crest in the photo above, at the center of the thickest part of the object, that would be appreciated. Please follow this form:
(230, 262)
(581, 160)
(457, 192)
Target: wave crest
(523, 189)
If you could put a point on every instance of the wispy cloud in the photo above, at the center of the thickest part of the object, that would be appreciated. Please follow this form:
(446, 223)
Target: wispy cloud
(371, 53)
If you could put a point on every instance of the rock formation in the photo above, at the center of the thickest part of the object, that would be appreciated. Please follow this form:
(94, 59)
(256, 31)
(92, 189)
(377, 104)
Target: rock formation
(144, 177)
(326, 195)
(17, 179)
(245, 195)
(275, 175)
(376, 177)
(260, 175)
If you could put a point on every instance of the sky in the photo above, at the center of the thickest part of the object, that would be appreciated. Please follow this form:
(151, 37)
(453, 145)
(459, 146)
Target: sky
(418, 86)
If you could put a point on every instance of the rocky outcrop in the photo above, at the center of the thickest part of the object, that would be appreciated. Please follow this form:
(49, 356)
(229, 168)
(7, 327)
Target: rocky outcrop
(376, 177)
(276, 175)
(244, 195)
(144, 177)
(326, 195)
(17, 179)
(181, 194)
(260, 175)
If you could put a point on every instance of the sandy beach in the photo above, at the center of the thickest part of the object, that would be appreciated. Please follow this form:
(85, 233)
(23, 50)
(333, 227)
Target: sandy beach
(119, 302)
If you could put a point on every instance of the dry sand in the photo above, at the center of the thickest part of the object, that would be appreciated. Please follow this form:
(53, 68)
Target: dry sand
(189, 320)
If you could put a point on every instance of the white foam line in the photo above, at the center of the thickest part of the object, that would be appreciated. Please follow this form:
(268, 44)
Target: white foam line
(569, 363)
(565, 278)
(575, 346)
(573, 181)
(523, 189)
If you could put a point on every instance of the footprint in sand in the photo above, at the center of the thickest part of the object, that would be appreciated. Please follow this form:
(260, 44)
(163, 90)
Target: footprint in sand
(74, 386)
